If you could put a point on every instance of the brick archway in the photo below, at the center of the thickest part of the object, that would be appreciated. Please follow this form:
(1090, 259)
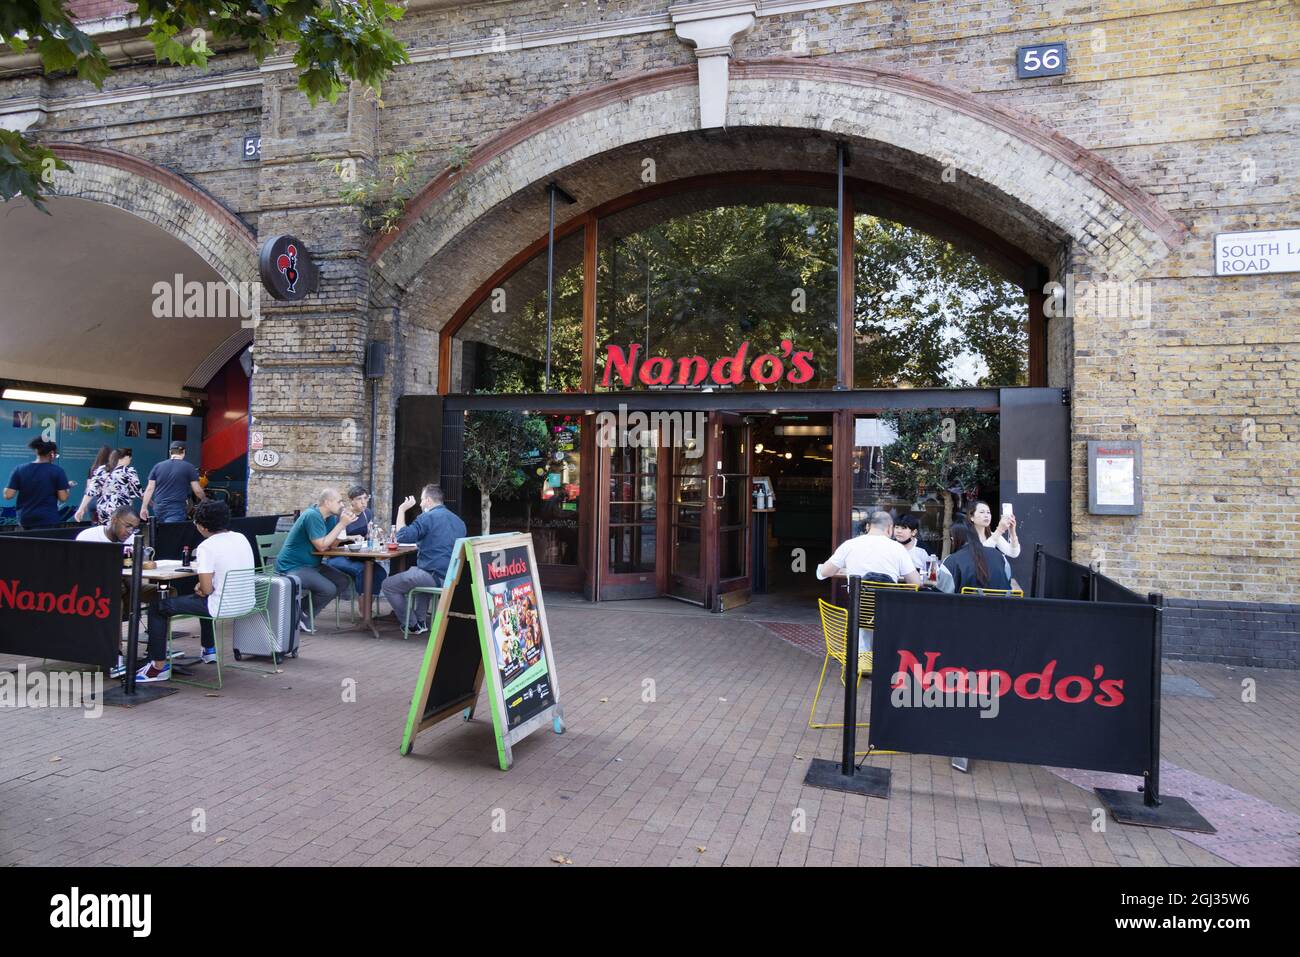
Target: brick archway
(171, 203)
(1036, 187)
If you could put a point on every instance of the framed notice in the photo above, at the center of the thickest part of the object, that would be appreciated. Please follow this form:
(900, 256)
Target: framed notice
(1115, 478)
(490, 625)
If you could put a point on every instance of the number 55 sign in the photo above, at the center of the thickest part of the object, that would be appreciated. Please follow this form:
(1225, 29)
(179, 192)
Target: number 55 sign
(1045, 59)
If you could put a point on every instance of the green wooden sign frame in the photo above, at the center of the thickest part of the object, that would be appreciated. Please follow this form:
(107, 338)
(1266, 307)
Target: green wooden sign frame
(452, 674)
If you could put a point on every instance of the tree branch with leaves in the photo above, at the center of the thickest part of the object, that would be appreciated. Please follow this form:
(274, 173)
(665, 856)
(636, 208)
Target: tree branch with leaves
(334, 42)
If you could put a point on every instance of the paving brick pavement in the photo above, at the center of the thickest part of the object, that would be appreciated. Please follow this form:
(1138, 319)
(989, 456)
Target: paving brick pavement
(708, 773)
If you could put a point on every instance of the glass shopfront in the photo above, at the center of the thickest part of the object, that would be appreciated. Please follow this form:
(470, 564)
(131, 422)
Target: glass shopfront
(718, 313)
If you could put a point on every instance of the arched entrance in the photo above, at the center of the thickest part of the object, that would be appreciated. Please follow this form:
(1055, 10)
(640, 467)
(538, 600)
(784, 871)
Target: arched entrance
(1027, 203)
(96, 306)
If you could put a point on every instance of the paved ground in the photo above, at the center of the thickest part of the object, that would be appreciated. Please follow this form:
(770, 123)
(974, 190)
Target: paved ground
(284, 771)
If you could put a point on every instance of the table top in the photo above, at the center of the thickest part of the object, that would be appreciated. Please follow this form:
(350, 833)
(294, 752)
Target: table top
(163, 574)
(377, 555)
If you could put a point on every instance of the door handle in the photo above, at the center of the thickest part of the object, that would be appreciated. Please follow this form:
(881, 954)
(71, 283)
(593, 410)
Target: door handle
(723, 493)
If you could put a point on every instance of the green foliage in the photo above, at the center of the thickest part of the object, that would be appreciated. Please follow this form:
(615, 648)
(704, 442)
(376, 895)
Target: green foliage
(335, 41)
(952, 451)
(25, 168)
(722, 276)
(381, 197)
(928, 314)
(495, 443)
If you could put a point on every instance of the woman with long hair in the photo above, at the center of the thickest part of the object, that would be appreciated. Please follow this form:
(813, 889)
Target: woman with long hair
(96, 477)
(123, 485)
(970, 565)
(1003, 538)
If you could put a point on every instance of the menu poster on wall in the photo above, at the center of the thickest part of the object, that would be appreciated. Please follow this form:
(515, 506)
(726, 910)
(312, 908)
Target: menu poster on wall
(490, 623)
(1115, 478)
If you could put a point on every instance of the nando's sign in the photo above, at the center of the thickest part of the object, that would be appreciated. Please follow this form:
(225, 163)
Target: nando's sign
(783, 364)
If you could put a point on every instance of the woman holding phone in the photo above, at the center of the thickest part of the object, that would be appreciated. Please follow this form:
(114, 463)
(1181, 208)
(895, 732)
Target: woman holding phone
(1003, 538)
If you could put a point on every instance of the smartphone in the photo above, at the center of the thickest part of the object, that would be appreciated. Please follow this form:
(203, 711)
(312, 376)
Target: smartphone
(1006, 509)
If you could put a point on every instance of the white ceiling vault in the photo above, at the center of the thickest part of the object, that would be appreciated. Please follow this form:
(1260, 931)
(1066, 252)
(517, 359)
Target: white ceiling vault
(77, 300)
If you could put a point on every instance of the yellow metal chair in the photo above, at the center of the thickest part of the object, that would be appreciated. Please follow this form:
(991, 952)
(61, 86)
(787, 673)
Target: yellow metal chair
(835, 630)
(994, 592)
(867, 607)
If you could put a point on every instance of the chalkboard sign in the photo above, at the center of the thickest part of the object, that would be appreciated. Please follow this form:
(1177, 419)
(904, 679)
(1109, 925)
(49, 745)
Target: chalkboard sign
(490, 622)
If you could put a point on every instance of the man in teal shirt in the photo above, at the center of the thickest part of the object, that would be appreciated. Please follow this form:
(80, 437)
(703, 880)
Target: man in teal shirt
(317, 528)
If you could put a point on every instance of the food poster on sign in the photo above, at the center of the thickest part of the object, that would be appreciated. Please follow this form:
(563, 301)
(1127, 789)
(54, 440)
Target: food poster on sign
(516, 633)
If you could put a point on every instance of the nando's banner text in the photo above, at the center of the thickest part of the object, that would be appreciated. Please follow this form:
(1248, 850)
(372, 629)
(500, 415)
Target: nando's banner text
(1073, 680)
(60, 600)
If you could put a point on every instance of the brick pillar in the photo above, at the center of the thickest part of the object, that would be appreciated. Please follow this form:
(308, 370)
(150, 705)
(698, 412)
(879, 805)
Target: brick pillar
(310, 398)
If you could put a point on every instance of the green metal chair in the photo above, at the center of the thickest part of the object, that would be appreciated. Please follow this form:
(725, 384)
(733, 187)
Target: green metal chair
(436, 593)
(244, 592)
(268, 549)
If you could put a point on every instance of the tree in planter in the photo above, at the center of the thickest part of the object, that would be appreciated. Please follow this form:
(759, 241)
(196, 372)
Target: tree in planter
(954, 453)
(495, 444)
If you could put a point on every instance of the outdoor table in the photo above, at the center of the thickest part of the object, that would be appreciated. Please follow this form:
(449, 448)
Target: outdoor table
(369, 556)
(163, 577)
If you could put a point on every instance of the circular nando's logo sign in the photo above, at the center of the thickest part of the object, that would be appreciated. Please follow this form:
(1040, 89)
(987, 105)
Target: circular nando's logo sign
(287, 268)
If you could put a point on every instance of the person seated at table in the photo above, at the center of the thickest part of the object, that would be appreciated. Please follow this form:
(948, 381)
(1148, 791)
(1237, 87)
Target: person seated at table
(121, 525)
(359, 501)
(875, 556)
(906, 530)
(435, 531)
(317, 529)
(39, 486)
(971, 565)
(221, 552)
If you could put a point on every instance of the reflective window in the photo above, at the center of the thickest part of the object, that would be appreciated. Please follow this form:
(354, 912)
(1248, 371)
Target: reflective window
(502, 346)
(718, 288)
(929, 315)
(542, 492)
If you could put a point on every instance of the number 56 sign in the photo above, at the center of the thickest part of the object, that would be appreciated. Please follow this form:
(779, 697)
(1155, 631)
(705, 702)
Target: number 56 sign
(1044, 59)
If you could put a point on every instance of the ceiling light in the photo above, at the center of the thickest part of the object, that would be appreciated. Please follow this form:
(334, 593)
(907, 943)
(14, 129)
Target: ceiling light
(27, 395)
(160, 408)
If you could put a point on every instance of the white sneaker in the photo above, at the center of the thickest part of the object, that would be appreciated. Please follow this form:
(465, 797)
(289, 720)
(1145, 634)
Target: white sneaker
(304, 624)
(118, 669)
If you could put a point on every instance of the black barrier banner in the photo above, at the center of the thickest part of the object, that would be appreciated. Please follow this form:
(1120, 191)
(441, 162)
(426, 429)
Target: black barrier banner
(1073, 680)
(60, 600)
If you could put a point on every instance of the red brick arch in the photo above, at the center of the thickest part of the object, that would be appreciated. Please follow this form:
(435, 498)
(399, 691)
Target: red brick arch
(163, 198)
(1117, 225)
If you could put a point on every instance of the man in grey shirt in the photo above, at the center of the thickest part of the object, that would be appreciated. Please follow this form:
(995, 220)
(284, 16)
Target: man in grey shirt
(170, 484)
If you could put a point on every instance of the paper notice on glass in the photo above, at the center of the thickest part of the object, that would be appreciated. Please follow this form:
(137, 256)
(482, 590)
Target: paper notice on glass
(1031, 476)
(1115, 480)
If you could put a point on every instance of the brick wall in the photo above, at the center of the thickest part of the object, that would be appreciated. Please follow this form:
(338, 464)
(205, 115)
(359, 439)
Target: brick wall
(1260, 635)
(1191, 102)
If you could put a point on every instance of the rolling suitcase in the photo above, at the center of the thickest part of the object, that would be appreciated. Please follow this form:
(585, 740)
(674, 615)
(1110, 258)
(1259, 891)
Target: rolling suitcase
(283, 606)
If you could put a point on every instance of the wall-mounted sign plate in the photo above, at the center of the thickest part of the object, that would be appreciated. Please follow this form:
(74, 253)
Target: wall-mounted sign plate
(1040, 59)
(287, 268)
(1115, 478)
(1257, 252)
(266, 458)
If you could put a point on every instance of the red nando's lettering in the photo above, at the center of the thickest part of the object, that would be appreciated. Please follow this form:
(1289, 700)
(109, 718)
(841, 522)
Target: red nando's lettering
(517, 567)
(765, 369)
(13, 595)
(1071, 689)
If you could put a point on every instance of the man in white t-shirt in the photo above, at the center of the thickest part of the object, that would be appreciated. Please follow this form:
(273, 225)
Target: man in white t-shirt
(121, 526)
(874, 554)
(221, 552)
